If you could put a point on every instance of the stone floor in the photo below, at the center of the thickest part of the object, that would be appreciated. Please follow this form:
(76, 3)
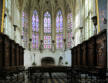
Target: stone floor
(46, 78)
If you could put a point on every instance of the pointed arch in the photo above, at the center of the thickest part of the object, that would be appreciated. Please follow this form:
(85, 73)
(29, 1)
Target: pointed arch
(25, 22)
(69, 30)
(59, 30)
(35, 30)
(47, 30)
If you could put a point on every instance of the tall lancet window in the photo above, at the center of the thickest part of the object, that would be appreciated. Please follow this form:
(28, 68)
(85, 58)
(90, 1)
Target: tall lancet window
(59, 30)
(47, 30)
(69, 29)
(35, 30)
(25, 28)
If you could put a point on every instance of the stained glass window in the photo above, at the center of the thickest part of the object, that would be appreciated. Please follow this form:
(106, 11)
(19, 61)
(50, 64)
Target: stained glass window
(69, 30)
(47, 30)
(25, 28)
(59, 30)
(35, 30)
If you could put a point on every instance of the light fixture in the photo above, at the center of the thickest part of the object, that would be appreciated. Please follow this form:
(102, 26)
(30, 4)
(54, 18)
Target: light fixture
(81, 33)
(73, 38)
(53, 41)
(105, 21)
(53, 47)
(81, 28)
(15, 26)
(30, 39)
(64, 44)
(41, 46)
(5, 15)
(21, 36)
(94, 19)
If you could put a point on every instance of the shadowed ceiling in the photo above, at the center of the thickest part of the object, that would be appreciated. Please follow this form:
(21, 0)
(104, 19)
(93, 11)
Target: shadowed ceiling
(44, 4)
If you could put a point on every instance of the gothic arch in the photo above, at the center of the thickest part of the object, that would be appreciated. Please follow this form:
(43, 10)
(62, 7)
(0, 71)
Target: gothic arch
(47, 61)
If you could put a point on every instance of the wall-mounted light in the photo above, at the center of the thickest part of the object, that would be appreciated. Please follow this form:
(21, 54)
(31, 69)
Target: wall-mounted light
(64, 40)
(15, 26)
(53, 41)
(41, 41)
(53, 47)
(21, 36)
(105, 21)
(5, 15)
(64, 44)
(94, 19)
(30, 44)
(41, 46)
(80, 28)
(73, 38)
(30, 39)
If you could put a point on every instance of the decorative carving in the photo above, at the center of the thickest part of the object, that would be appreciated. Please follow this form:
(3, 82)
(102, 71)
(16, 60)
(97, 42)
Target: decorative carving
(15, 26)
(101, 47)
(64, 44)
(53, 46)
(94, 19)
(41, 46)
(91, 51)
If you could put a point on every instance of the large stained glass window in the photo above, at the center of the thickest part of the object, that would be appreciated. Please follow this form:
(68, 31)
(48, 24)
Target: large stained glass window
(69, 30)
(25, 28)
(35, 30)
(47, 30)
(59, 30)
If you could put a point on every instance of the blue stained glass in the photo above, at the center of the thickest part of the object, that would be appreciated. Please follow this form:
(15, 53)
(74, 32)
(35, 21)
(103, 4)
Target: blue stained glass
(47, 30)
(35, 29)
(59, 30)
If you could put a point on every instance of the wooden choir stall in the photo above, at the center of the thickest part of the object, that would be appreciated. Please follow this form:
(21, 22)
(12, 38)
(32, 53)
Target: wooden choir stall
(90, 57)
(11, 56)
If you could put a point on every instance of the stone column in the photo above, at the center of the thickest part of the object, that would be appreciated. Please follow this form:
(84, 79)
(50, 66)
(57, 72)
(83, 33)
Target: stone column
(52, 24)
(42, 25)
(64, 24)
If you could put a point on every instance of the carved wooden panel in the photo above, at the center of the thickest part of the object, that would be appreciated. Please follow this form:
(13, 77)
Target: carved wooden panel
(17, 54)
(91, 51)
(20, 56)
(12, 53)
(1, 51)
(23, 56)
(6, 51)
(84, 53)
(74, 56)
(78, 54)
(101, 49)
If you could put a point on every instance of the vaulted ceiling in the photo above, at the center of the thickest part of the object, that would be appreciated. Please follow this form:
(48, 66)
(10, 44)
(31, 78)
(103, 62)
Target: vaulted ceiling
(45, 4)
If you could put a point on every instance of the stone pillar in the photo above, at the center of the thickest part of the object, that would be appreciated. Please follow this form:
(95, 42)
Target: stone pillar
(64, 24)
(41, 25)
(52, 24)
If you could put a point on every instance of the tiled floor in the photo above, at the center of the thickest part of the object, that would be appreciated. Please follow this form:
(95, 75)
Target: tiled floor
(45, 78)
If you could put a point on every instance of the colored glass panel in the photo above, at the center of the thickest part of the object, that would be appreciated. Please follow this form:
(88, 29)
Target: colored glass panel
(35, 30)
(47, 30)
(59, 30)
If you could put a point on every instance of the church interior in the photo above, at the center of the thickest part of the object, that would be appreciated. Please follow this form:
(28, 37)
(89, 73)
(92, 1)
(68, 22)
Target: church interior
(53, 41)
